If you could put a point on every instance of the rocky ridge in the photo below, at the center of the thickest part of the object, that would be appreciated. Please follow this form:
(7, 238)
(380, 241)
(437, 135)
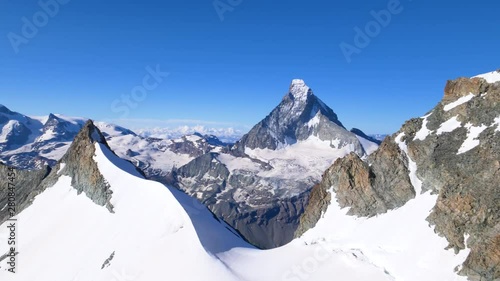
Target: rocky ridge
(77, 163)
(455, 152)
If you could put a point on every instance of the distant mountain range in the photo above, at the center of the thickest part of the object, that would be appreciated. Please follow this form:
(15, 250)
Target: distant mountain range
(227, 135)
(327, 202)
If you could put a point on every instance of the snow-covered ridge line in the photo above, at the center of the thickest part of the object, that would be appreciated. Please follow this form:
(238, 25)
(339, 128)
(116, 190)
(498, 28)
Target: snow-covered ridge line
(490, 77)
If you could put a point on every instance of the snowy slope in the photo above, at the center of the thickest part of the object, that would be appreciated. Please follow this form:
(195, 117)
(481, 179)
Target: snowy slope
(151, 234)
(300, 161)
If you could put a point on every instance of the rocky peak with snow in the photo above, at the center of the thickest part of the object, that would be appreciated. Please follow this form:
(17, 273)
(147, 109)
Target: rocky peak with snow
(15, 129)
(299, 116)
(261, 184)
(299, 90)
(79, 164)
(453, 152)
(60, 129)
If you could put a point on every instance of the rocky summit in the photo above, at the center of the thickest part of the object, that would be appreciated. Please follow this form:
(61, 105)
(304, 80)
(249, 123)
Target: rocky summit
(77, 163)
(261, 184)
(300, 115)
(452, 152)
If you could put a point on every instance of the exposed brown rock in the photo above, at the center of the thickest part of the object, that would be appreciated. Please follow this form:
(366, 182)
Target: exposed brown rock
(467, 184)
(366, 188)
(460, 87)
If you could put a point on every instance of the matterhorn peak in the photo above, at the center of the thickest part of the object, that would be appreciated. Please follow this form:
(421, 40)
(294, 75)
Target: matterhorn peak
(299, 89)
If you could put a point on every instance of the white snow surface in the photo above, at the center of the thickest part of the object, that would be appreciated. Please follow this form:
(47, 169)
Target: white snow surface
(307, 158)
(7, 129)
(400, 242)
(449, 126)
(66, 236)
(471, 141)
(458, 102)
(423, 132)
(314, 121)
(299, 89)
(490, 77)
(156, 154)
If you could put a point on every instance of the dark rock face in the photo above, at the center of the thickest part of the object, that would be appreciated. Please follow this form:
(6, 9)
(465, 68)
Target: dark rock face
(368, 188)
(192, 148)
(371, 190)
(461, 167)
(26, 187)
(264, 220)
(267, 227)
(81, 167)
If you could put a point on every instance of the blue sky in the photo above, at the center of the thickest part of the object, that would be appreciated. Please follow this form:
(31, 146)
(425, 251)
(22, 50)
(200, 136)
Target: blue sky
(232, 70)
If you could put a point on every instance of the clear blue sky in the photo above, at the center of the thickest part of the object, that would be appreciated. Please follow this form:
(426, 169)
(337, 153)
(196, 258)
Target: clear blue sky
(235, 71)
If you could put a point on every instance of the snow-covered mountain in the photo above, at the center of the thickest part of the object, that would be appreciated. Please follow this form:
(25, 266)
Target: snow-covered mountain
(261, 184)
(97, 218)
(300, 116)
(33, 142)
(227, 135)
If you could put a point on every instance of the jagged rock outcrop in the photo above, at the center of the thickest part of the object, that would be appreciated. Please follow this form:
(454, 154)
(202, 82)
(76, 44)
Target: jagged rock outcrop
(367, 188)
(77, 163)
(456, 151)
